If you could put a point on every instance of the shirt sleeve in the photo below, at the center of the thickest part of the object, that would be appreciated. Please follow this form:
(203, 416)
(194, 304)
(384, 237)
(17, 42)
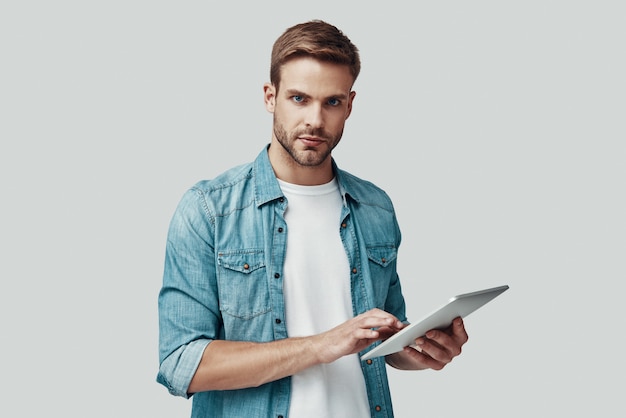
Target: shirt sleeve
(189, 317)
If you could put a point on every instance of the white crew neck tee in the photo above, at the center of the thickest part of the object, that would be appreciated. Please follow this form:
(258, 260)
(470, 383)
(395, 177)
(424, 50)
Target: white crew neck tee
(318, 298)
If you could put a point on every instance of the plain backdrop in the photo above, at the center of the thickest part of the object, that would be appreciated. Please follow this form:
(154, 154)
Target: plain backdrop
(497, 127)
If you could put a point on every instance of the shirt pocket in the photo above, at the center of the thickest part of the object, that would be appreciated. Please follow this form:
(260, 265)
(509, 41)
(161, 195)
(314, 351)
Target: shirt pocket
(243, 288)
(382, 262)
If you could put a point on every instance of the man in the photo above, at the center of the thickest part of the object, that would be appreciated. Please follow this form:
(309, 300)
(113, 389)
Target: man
(278, 273)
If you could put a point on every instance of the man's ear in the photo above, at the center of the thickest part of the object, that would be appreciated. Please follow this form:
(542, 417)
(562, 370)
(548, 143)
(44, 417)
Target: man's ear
(269, 96)
(350, 100)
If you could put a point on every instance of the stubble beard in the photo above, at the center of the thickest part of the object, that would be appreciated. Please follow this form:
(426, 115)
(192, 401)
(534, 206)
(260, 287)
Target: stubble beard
(310, 156)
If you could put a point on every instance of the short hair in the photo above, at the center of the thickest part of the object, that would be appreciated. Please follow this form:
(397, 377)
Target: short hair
(316, 39)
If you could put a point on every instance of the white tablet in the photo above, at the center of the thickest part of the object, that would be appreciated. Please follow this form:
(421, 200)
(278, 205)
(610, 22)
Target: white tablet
(460, 305)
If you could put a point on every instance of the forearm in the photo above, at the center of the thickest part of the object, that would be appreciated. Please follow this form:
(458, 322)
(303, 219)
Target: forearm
(229, 365)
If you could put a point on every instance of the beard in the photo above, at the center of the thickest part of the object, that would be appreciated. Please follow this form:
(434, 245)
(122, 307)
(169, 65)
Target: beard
(309, 156)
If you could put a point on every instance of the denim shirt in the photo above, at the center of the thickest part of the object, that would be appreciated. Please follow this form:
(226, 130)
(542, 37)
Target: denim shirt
(222, 280)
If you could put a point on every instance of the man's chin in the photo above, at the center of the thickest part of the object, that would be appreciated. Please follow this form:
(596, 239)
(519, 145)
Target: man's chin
(310, 157)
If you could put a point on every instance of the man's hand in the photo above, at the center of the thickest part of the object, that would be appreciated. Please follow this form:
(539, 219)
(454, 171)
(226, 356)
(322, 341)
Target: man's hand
(356, 334)
(432, 351)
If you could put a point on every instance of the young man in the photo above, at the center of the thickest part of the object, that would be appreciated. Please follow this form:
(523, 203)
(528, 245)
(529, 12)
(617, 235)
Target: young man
(278, 273)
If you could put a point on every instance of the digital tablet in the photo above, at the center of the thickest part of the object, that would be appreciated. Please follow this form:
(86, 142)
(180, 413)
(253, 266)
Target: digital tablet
(460, 305)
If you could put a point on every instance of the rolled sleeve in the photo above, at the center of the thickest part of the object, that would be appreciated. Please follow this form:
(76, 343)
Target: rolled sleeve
(178, 368)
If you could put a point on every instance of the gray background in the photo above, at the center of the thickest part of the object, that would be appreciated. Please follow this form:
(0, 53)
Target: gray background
(496, 127)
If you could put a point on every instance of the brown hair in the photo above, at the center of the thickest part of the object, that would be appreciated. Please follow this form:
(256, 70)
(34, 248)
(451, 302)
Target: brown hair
(316, 39)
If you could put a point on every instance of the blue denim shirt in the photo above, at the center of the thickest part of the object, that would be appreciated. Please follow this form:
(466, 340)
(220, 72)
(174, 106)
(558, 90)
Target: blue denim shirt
(224, 260)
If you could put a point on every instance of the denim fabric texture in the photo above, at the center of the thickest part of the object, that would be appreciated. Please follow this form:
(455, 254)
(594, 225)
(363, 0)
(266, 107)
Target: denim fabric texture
(224, 257)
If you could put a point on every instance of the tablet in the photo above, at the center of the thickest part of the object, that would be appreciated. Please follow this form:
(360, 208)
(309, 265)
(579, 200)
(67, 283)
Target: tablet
(460, 305)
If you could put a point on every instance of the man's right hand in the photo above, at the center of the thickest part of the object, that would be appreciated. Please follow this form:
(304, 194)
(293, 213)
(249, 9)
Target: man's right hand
(356, 334)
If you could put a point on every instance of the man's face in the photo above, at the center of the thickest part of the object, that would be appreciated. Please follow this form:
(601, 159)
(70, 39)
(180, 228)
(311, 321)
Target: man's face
(310, 109)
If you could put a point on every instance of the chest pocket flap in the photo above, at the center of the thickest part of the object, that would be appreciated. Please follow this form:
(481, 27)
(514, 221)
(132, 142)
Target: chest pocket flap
(382, 255)
(242, 262)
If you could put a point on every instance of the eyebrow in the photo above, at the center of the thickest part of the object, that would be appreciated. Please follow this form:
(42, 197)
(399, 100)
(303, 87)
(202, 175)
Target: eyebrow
(294, 92)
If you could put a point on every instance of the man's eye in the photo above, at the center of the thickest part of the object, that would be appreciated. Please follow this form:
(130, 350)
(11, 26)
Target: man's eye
(333, 102)
(298, 99)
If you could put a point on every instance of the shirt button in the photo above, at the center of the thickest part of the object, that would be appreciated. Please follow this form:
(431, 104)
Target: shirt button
(246, 266)
(280, 229)
(354, 270)
(369, 361)
(384, 260)
(343, 225)
(276, 275)
(278, 321)
(378, 408)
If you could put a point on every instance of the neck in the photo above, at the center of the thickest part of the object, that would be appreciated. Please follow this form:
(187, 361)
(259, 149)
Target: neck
(286, 169)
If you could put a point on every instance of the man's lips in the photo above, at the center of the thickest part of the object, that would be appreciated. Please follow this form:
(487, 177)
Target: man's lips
(311, 140)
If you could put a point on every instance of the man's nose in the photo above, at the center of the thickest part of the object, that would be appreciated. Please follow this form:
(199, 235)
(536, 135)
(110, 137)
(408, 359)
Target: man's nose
(315, 115)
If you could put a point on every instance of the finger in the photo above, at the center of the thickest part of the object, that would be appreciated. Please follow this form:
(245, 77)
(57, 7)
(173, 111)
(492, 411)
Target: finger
(434, 350)
(458, 330)
(423, 359)
(452, 338)
(366, 334)
(377, 320)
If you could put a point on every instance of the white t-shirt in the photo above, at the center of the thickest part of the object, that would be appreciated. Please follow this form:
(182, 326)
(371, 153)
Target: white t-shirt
(318, 298)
